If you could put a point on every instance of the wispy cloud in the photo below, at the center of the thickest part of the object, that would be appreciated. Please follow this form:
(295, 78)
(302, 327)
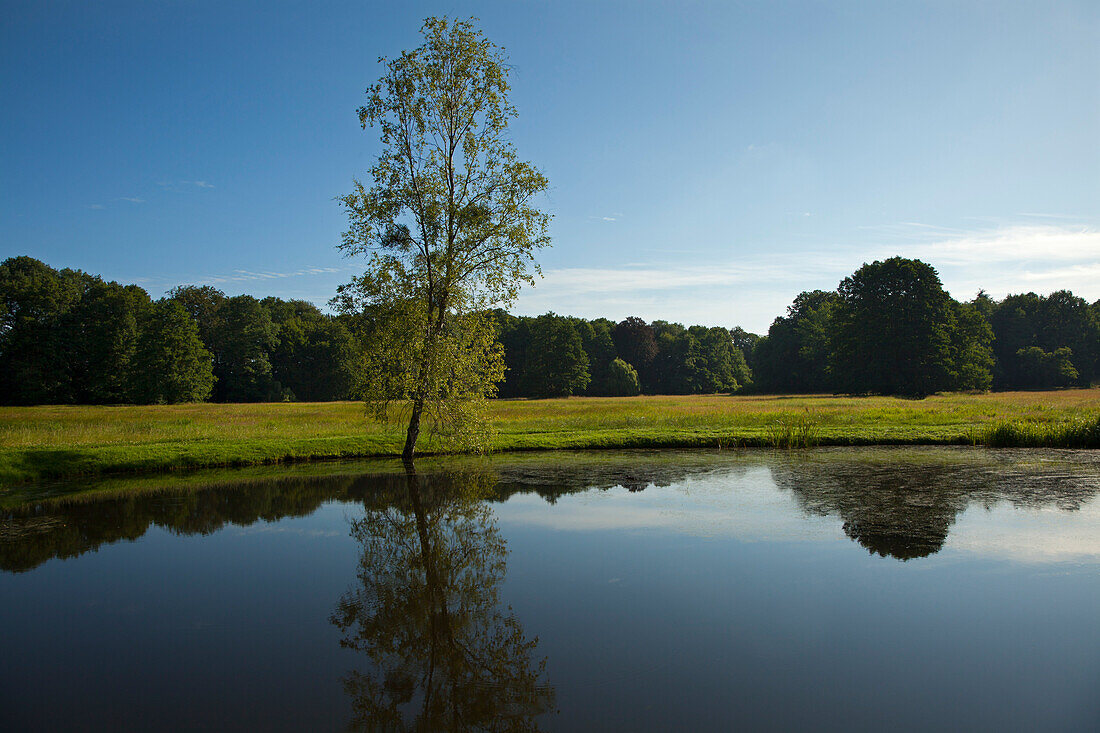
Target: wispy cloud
(239, 276)
(250, 275)
(760, 284)
(180, 185)
(131, 199)
(612, 217)
(906, 230)
(1021, 243)
(95, 207)
(750, 293)
(1090, 271)
(578, 280)
(1047, 216)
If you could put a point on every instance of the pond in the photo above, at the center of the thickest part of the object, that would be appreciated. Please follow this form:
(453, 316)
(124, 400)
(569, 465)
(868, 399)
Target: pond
(832, 589)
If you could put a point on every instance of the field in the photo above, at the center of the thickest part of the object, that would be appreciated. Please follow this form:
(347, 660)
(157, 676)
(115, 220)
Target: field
(47, 442)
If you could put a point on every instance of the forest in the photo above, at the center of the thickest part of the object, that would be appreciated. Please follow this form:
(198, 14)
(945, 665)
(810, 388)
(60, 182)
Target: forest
(69, 337)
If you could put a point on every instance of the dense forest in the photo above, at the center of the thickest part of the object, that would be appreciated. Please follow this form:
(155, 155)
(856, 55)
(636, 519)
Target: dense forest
(68, 337)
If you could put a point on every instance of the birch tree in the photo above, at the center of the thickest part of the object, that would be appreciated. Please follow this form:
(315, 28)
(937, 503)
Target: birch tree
(448, 223)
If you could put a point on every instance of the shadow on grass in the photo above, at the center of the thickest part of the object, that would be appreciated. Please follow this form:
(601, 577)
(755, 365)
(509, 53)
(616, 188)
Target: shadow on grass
(28, 465)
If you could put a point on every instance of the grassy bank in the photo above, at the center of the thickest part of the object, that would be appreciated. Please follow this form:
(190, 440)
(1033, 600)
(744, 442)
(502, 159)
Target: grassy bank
(45, 442)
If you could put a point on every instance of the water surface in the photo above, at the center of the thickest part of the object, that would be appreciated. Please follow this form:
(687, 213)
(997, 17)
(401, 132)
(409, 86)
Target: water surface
(849, 589)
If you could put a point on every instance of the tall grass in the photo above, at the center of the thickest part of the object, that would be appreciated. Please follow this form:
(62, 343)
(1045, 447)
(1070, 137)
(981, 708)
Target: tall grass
(1078, 433)
(794, 431)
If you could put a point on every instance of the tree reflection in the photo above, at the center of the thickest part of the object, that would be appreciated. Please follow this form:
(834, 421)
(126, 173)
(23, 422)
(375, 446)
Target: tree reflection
(904, 514)
(903, 506)
(426, 611)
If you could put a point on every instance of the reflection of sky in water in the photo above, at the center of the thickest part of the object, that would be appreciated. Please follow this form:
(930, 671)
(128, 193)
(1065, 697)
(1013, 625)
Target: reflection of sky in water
(749, 507)
(1028, 534)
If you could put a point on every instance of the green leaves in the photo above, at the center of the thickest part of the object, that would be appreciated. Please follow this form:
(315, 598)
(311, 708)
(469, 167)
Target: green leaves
(448, 225)
(897, 332)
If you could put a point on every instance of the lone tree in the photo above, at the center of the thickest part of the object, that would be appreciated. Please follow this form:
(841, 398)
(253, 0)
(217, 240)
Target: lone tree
(449, 229)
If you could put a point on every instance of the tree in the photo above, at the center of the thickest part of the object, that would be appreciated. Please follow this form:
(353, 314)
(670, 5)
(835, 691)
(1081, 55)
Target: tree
(1068, 323)
(65, 336)
(102, 337)
(795, 354)
(204, 305)
(242, 363)
(745, 342)
(622, 380)
(170, 363)
(1038, 368)
(636, 344)
(448, 224)
(557, 365)
(721, 367)
(316, 357)
(971, 342)
(894, 330)
(1048, 323)
(35, 301)
(514, 334)
(600, 349)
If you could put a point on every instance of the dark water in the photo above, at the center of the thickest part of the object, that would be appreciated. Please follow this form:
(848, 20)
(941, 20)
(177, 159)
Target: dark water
(869, 589)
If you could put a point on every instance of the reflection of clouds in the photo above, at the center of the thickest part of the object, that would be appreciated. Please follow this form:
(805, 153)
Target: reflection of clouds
(1046, 534)
(750, 507)
(278, 529)
(747, 507)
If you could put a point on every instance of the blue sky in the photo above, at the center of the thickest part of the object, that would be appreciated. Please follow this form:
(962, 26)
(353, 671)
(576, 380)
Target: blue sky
(708, 161)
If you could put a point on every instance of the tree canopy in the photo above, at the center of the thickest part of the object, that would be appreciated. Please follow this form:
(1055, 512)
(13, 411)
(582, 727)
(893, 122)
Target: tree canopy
(894, 331)
(170, 364)
(1031, 329)
(795, 355)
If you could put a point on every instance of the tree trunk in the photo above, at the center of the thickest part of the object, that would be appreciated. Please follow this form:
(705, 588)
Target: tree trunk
(414, 429)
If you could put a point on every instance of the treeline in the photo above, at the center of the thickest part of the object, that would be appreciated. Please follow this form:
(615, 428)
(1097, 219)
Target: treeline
(890, 328)
(67, 337)
(558, 356)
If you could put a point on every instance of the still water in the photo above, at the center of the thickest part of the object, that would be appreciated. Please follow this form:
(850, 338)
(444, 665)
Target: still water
(835, 589)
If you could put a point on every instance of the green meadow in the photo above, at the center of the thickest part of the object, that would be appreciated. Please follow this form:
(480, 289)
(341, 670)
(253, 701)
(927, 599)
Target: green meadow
(63, 441)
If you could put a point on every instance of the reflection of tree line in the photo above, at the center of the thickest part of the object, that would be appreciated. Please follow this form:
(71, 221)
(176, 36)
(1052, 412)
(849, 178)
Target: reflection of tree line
(901, 508)
(36, 533)
(32, 534)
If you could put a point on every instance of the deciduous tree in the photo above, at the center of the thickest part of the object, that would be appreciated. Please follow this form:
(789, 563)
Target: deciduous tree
(557, 365)
(894, 330)
(170, 364)
(448, 223)
(622, 380)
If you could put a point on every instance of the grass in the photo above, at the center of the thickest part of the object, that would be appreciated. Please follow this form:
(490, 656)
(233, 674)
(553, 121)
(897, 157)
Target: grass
(57, 441)
(1082, 433)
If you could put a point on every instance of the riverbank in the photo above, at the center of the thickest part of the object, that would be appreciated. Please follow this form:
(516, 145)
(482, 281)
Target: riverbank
(62, 441)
